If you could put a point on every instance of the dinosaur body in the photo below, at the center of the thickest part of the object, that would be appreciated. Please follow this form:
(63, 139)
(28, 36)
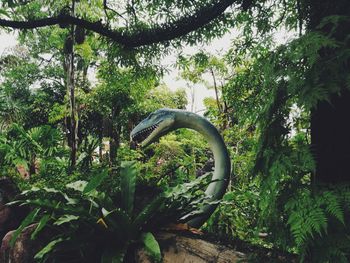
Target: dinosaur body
(163, 121)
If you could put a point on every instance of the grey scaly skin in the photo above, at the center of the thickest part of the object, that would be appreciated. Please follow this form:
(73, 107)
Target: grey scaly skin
(163, 121)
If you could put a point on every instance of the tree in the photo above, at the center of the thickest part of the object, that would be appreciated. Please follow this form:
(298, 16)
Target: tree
(136, 28)
(213, 72)
(329, 130)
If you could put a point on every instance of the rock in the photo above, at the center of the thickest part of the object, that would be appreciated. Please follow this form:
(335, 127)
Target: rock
(24, 248)
(7, 220)
(10, 217)
(177, 248)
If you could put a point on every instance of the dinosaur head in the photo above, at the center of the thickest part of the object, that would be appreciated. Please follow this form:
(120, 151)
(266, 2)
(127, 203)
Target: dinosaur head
(153, 127)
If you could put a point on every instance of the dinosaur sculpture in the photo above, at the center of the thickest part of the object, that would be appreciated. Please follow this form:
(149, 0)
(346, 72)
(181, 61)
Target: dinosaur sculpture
(163, 121)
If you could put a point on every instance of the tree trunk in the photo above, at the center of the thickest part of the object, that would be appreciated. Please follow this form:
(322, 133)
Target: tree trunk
(73, 117)
(71, 92)
(114, 134)
(100, 148)
(216, 92)
(330, 139)
(330, 126)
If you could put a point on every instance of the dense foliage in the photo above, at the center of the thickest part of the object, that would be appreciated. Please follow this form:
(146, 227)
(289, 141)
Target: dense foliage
(69, 99)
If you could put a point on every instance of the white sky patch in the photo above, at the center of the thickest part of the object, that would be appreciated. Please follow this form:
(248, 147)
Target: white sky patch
(7, 41)
(197, 92)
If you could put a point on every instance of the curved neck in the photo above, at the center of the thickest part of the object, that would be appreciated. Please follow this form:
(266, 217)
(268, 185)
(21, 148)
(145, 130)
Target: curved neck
(222, 169)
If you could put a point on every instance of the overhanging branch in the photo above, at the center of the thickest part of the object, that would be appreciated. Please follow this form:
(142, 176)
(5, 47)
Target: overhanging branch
(144, 37)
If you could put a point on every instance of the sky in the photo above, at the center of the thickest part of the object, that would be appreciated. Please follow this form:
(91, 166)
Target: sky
(216, 47)
(6, 41)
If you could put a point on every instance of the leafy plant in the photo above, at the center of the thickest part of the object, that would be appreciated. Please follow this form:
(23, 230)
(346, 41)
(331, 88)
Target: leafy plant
(83, 219)
(20, 147)
(237, 215)
(87, 152)
(317, 221)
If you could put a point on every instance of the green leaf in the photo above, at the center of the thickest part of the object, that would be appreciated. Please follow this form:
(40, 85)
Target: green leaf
(77, 185)
(50, 246)
(152, 246)
(50, 190)
(65, 219)
(85, 51)
(42, 223)
(128, 175)
(95, 181)
(33, 189)
(26, 221)
(3, 12)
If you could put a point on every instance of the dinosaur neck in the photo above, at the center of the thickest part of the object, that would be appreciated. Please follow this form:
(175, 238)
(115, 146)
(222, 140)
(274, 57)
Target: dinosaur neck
(222, 169)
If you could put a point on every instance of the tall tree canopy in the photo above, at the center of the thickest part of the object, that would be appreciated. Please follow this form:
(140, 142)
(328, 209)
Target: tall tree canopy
(129, 23)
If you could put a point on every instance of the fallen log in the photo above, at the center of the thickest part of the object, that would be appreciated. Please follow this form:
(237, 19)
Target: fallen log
(181, 248)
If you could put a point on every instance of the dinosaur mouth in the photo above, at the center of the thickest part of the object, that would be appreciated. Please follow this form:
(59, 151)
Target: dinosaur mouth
(142, 135)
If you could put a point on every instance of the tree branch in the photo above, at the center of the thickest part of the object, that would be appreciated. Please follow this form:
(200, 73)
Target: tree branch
(106, 7)
(144, 37)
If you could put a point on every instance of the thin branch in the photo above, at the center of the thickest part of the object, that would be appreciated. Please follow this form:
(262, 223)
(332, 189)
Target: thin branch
(106, 7)
(55, 81)
(144, 37)
(46, 60)
(132, 6)
(216, 90)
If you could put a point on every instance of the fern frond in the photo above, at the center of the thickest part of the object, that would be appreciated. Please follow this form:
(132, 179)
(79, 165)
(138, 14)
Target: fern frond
(333, 206)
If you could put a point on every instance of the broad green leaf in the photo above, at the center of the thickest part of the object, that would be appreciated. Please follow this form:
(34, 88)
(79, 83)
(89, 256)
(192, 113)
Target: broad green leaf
(50, 190)
(26, 221)
(33, 189)
(65, 219)
(48, 248)
(42, 223)
(95, 181)
(77, 185)
(128, 173)
(15, 202)
(151, 246)
(70, 201)
(56, 206)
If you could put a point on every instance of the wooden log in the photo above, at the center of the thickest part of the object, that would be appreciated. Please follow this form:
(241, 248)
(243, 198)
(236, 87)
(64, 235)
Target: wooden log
(179, 248)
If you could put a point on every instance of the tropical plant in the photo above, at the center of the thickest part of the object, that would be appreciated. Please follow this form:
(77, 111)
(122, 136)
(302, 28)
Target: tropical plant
(87, 152)
(317, 221)
(25, 148)
(83, 219)
(238, 215)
